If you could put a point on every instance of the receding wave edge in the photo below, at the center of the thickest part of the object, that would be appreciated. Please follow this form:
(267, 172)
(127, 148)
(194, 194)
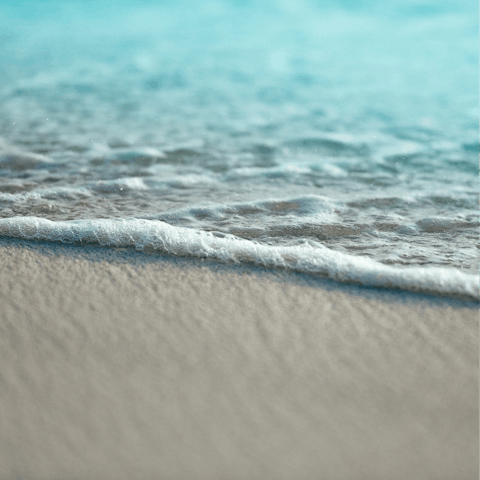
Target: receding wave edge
(155, 235)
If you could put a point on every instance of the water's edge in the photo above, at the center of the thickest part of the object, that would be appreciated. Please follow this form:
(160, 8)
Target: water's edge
(157, 236)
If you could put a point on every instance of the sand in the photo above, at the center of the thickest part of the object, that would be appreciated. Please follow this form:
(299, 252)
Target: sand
(121, 365)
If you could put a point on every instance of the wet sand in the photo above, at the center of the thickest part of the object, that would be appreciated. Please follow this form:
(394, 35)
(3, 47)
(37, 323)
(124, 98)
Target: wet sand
(121, 365)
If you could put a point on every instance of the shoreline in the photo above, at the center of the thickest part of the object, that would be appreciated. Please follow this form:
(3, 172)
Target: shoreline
(120, 364)
(130, 255)
(157, 237)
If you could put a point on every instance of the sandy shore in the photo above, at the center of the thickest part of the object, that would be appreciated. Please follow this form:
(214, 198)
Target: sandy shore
(120, 365)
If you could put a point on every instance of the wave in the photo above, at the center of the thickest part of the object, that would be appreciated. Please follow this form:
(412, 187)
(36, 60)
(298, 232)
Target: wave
(155, 235)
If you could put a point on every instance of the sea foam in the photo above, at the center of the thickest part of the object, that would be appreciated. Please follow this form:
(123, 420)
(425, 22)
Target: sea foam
(155, 235)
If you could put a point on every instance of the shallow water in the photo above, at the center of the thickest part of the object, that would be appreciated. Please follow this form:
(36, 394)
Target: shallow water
(286, 124)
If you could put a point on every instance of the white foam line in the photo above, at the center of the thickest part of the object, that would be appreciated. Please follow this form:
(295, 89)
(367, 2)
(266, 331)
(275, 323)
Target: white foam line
(152, 235)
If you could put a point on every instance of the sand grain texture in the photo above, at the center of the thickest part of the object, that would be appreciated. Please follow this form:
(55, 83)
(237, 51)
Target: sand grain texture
(120, 365)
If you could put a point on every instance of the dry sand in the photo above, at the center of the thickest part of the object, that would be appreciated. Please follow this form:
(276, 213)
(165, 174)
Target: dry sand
(120, 365)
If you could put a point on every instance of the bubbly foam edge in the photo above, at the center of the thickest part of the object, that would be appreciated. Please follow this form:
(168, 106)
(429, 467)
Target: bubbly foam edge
(155, 235)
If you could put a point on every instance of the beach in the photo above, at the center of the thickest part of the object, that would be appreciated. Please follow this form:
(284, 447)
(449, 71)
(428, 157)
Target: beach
(238, 240)
(117, 364)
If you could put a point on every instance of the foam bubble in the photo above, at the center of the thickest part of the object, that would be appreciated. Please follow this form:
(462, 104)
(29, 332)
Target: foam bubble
(158, 236)
(120, 185)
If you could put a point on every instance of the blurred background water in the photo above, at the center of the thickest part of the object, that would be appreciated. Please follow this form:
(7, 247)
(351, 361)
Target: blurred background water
(352, 125)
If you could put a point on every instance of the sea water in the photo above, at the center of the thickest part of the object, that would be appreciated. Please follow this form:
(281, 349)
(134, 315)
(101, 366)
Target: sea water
(336, 138)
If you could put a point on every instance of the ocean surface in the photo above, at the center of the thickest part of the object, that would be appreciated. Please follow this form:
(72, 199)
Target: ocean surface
(336, 138)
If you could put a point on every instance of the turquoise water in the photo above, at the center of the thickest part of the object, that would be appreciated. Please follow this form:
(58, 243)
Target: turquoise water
(319, 128)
